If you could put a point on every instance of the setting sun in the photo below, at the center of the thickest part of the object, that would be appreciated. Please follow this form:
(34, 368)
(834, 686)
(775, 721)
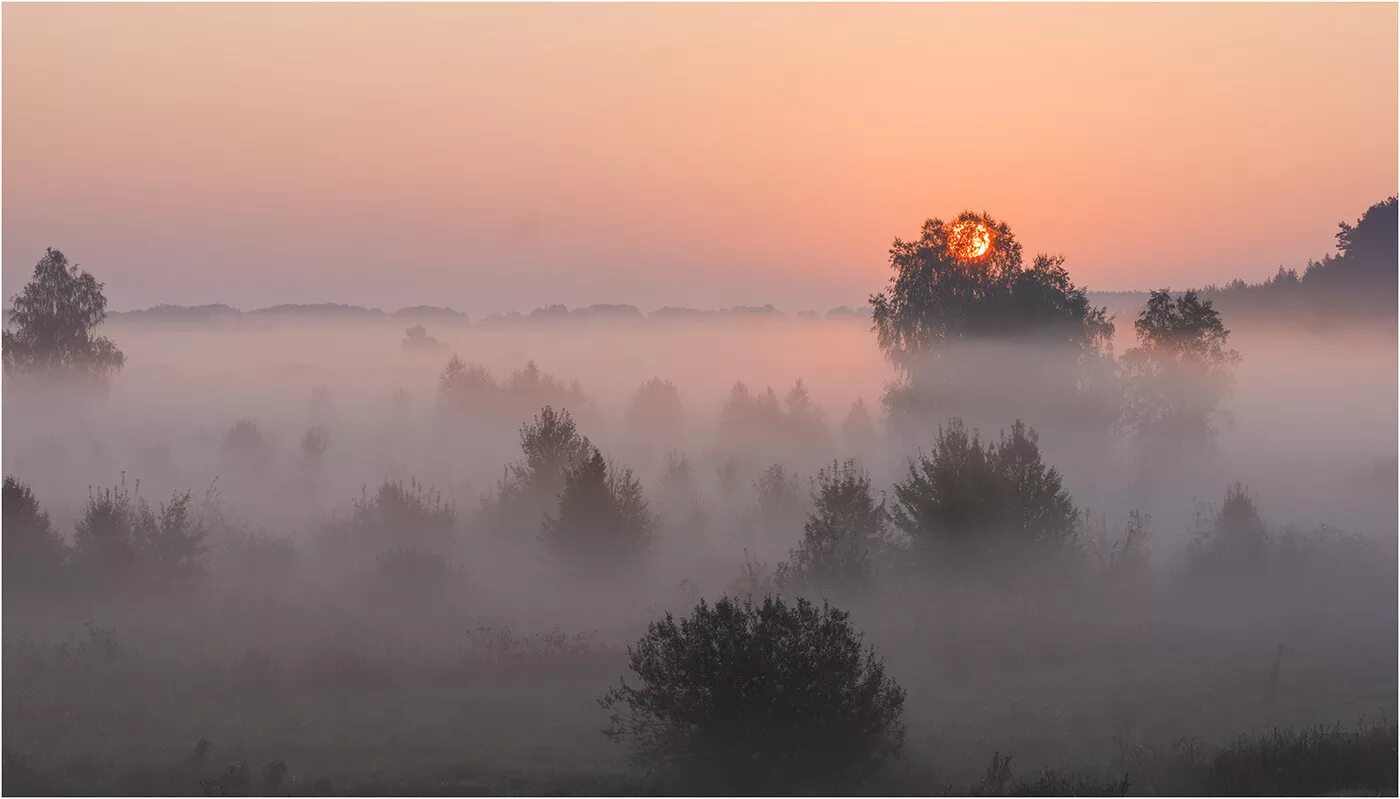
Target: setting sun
(969, 241)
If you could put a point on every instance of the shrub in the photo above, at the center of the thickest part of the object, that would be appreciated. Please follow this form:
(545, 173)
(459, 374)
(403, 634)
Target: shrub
(656, 411)
(396, 517)
(34, 552)
(758, 698)
(1237, 541)
(552, 447)
(965, 503)
(603, 519)
(842, 536)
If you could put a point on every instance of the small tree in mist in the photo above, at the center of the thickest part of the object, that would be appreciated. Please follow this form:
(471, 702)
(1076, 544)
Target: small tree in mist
(803, 421)
(758, 698)
(34, 552)
(1236, 541)
(53, 320)
(245, 444)
(463, 387)
(858, 429)
(842, 538)
(603, 519)
(966, 503)
(416, 339)
(105, 538)
(398, 516)
(120, 539)
(1178, 375)
(173, 539)
(656, 412)
(552, 446)
(313, 445)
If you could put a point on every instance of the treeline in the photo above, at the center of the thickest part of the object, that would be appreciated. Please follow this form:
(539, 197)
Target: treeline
(1358, 280)
(967, 509)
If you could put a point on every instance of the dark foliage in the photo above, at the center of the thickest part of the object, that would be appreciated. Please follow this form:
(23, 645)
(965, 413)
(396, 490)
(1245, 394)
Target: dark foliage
(34, 552)
(762, 698)
(121, 540)
(397, 518)
(842, 538)
(54, 318)
(942, 293)
(603, 520)
(1177, 376)
(1237, 541)
(965, 503)
(656, 411)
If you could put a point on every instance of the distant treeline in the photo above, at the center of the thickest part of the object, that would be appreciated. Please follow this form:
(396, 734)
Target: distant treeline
(421, 313)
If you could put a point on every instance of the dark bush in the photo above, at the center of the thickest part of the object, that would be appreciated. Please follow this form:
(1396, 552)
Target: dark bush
(758, 698)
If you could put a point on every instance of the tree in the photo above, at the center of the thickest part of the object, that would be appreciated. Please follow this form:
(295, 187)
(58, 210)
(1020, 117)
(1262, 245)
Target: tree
(120, 539)
(759, 699)
(603, 519)
(397, 517)
(969, 504)
(34, 552)
(1237, 541)
(842, 536)
(106, 538)
(54, 318)
(530, 488)
(172, 541)
(1177, 376)
(858, 429)
(968, 325)
(965, 279)
(465, 388)
(656, 411)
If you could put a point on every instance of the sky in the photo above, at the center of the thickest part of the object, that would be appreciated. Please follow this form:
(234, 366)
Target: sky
(499, 157)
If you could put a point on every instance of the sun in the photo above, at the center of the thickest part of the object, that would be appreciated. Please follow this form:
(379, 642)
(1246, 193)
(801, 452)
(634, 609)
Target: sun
(969, 240)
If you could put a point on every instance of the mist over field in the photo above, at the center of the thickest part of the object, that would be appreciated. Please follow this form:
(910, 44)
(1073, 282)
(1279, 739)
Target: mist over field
(691, 399)
(289, 648)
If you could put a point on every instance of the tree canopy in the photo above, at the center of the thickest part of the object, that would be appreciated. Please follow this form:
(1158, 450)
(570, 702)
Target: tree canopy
(966, 279)
(1177, 376)
(966, 503)
(53, 320)
(758, 698)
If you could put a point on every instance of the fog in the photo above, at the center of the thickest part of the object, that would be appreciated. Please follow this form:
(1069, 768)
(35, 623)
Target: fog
(289, 650)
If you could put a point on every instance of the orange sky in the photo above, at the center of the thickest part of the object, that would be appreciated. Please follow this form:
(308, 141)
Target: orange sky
(505, 156)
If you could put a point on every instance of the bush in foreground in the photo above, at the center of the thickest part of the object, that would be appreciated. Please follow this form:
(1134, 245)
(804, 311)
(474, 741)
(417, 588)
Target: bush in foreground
(758, 698)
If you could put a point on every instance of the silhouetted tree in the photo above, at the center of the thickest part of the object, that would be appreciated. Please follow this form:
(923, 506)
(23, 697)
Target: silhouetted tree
(34, 552)
(106, 537)
(758, 699)
(603, 520)
(54, 318)
(858, 428)
(803, 420)
(964, 281)
(966, 504)
(313, 444)
(245, 440)
(416, 339)
(173, 540)
(1237, 541)
(1177, 376)
(396, 517)
(552, 447)
(842, 538)
(656, 411)
(943, 291)
(120, 539)
(465, 388)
